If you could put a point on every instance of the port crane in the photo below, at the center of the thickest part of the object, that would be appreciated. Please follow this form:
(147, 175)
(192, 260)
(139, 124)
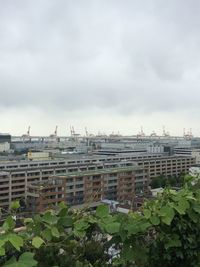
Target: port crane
(55, 134)
(26, 137)
(165, 134)
(141, 133)
(188, 135)
(153, 134)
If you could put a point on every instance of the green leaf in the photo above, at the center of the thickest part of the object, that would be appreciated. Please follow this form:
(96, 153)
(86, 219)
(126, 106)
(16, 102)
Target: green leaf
(63, 212)
(16, 241)
(12, 262)
(50, 218)
(132, 228)
(81, 225)
(37, 228)
(179, 210)
(55, 232)
(193, 215)
(2, 251)
(37, 218)
(2, 242)
(183, 205)
(173, 242)
(154, 220)
(108, 219)
(25, 260)
(102, 211)
(47, 234)
(167, 214)
(147, 214)
(15, 205)
(196, 207)
(79, 233)
(66, 221)
(9, 224)
(62, 205)
(37, 242)
(112, 227)
(144, 225)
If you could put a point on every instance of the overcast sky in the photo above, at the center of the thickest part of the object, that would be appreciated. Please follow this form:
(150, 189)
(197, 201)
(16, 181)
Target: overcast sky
(106, 64)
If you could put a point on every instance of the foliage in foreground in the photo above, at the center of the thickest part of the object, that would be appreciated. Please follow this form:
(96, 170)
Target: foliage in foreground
(165, 233)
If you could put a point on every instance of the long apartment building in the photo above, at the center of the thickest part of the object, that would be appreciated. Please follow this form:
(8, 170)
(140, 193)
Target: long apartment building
(15, 176)
(167, 166)
(86, 187)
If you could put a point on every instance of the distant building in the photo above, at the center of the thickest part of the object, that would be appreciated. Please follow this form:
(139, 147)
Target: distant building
(38, 155)
(5, 138)
(4, 147)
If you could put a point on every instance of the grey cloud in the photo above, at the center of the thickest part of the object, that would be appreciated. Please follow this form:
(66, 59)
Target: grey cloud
(128, 56)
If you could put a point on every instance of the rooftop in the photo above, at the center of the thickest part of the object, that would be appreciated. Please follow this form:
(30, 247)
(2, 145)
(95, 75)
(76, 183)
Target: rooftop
(96, 172)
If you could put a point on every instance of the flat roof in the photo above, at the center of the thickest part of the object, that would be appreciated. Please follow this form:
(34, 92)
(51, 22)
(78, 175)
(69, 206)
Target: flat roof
(65, 161)
(96, 172)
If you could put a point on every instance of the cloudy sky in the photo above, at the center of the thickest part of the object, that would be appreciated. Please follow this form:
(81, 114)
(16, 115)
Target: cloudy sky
(109, 65)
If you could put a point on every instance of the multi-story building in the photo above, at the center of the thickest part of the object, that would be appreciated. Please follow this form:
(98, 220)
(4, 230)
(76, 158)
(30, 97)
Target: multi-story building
(5, 192)
(43, 194)
(20, 173)
(118, 183)
(167, 166)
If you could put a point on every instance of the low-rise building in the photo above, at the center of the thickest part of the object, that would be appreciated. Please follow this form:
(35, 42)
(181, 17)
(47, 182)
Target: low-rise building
(34, 156)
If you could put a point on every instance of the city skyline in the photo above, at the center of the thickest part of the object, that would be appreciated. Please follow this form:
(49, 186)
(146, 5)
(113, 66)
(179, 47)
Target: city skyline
(108, 66)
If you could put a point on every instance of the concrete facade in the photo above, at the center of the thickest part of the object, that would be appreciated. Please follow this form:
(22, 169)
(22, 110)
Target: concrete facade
(118, 183)
(16, 176)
